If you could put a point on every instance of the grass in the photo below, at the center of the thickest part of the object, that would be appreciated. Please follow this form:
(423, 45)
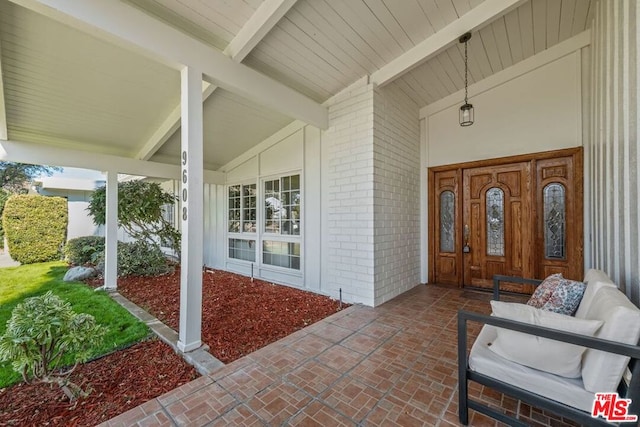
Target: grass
(18, 283)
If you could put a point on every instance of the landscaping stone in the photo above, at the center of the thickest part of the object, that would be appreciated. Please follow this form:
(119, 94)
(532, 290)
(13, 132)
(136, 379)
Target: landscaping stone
(76, 274)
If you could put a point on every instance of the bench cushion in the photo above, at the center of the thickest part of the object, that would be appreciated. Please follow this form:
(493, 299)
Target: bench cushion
(595, 280)
(601, 371)
(545, 354)
(569, 391)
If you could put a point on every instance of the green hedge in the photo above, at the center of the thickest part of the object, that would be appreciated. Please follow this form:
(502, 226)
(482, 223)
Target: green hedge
(83, 250)
(36, 227)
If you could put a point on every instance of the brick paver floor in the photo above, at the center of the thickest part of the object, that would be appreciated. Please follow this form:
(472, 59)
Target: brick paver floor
(391, 365)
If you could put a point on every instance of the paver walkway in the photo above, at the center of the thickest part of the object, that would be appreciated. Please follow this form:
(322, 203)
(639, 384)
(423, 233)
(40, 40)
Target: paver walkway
(391, 365)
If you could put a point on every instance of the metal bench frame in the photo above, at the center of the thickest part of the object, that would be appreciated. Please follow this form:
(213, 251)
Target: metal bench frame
(465, 374)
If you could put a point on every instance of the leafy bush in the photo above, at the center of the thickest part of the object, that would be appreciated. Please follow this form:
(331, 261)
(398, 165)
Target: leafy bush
(83, 250)
(36, 227)
(141, 207)
(139, 258)
(40, 332)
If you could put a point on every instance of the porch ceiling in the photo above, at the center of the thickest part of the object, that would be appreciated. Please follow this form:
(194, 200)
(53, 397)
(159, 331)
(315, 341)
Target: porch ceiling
(70, 88)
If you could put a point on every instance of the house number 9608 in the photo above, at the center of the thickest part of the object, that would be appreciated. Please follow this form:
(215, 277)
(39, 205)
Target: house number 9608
(184, 183)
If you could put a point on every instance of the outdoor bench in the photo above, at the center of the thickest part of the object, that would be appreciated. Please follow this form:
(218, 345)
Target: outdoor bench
(613, 348)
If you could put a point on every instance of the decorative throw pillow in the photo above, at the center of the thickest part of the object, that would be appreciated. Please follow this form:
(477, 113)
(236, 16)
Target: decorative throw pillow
(566, 297)
(544, 291)
(544, 354)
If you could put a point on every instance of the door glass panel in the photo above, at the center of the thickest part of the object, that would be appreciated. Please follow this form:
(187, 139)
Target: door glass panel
(495, 222)
(554, 221)
(447, 221)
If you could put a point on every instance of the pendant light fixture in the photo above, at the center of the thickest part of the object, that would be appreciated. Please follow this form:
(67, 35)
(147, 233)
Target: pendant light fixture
(466, 110)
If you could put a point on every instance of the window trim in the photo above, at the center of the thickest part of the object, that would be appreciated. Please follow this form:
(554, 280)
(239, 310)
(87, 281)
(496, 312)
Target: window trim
(260, 235)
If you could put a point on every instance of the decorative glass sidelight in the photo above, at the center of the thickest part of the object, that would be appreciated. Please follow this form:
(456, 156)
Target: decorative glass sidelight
(447, 221)
(554, 221)
(495, 222)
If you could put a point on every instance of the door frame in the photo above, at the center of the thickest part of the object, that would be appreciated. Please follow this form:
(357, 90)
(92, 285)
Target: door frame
(578, 179)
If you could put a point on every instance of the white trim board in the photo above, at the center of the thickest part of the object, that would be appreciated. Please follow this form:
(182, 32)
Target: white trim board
(28, 152)
(556, 52)
(3, 108)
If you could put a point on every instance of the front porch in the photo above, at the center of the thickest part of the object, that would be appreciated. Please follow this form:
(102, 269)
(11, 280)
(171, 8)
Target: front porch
(395, 364)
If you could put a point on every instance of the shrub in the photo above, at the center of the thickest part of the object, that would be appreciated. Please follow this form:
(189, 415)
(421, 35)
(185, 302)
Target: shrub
(141, 207)
(41, 331)
(139, 258)
(83, 250)
(36, 227)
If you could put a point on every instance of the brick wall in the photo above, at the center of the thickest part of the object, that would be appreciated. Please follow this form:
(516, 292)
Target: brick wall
(349, 202)
(396, 154)
(372, 194)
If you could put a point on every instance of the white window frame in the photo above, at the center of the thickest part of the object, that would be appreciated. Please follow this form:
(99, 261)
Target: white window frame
(279, 237)
(261, 235)
(241, 235)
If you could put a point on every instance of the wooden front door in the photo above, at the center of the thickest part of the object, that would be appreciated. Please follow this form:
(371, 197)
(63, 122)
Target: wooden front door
(497, 221)
(518, 216)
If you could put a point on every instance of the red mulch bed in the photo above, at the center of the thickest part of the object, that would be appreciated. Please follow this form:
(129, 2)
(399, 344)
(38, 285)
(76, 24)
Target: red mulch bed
(119, 382)
(238, 317)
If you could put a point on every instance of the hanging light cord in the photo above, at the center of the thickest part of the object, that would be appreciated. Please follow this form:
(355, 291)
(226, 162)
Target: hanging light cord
(466, 74)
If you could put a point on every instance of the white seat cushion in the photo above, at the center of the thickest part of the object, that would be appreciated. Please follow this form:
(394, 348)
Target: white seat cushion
(595, 280)
(601, 371)
(569, 391)
(545, 354)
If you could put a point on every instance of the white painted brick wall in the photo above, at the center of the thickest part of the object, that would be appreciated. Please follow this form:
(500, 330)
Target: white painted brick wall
(349, 203)
(396, 193)
(372, 195)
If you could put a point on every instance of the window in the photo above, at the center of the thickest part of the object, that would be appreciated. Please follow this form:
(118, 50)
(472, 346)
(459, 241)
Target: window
(282, 205)
(242, 218)
(242, 249)
(554, 221)
(249, 197)
(495, 222)
(277, 241)
(234, 208)
(447, 221)
(281, 254)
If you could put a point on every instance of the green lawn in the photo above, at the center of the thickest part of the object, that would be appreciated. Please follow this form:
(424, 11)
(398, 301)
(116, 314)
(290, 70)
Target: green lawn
(18, 283)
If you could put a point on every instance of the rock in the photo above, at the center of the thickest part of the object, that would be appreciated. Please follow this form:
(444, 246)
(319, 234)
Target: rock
(76, 274)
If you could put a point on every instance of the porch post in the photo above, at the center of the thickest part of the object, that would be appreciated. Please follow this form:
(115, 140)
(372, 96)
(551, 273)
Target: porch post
(111, 233)
(191, 212)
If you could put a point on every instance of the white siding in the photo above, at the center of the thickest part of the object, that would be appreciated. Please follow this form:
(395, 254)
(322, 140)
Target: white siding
(538, 111)
(612, 154)
(280, 154)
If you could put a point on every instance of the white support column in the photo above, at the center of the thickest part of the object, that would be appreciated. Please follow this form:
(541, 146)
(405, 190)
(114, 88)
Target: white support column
(111, 232)
(191, 214)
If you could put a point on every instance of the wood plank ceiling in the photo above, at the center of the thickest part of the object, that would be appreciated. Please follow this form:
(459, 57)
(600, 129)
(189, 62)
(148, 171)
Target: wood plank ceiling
(68, 88)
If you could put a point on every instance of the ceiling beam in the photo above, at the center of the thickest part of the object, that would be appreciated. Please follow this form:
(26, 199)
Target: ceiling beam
(3, 108)
(261, 22)
(168, 127)
(133, 29)
(268, 14)
(39, 154)
(477, 18)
